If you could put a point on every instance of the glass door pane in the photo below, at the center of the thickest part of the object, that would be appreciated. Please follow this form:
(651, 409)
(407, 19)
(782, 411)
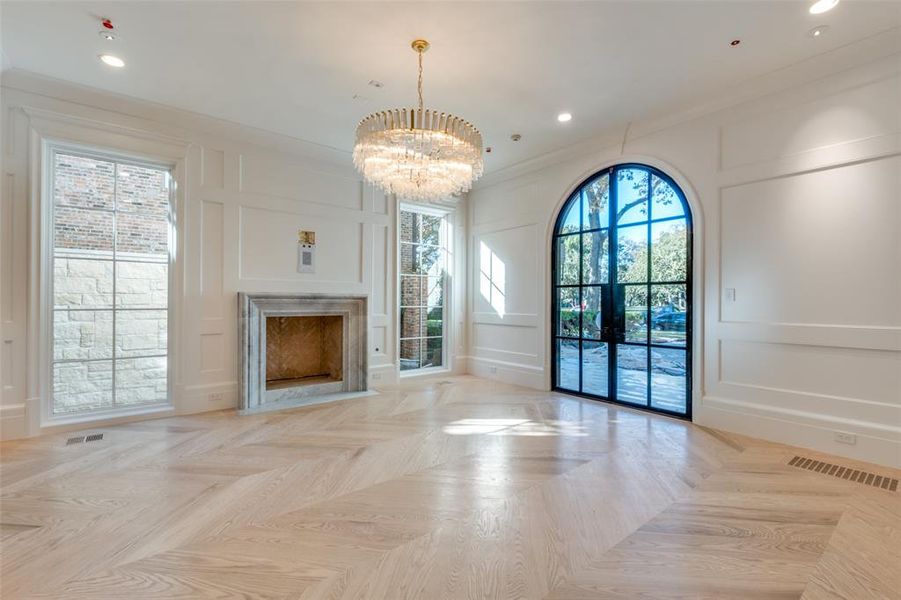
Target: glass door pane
(632, 374)
(669, 371)
(669, 314)
(568, 364)
(595, 368)
(569, 311)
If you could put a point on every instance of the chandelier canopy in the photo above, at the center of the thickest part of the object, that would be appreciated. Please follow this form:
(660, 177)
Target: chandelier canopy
(418, 153)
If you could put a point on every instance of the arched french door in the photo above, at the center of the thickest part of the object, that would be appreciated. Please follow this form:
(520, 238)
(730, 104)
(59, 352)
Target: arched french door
(621, 301)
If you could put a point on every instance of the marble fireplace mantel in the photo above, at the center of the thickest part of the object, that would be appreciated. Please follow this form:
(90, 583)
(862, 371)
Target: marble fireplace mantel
(254, 309)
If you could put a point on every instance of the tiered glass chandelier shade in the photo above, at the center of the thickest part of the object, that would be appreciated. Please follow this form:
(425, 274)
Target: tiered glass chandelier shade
(418, 154)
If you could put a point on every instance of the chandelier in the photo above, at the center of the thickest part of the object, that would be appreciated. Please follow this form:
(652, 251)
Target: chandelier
(418, 154)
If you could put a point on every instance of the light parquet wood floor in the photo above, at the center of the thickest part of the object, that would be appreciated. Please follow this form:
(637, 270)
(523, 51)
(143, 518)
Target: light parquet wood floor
(439, 488)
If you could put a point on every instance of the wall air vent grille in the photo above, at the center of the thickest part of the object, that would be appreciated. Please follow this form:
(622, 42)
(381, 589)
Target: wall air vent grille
(847, 473)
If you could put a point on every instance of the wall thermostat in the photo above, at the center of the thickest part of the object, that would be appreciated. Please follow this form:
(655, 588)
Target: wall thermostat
(306, 251)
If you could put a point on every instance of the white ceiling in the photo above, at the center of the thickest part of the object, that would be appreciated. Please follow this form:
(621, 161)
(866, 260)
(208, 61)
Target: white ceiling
(294, 68)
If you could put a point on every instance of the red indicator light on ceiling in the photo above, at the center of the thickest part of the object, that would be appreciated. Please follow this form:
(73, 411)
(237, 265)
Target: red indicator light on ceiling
(107, 23)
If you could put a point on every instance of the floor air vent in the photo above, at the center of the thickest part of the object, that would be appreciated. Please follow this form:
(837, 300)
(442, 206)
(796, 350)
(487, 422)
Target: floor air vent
(856, 475)
(84, 438)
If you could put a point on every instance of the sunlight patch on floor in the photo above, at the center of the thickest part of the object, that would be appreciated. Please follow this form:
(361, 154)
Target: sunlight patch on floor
(521, 427)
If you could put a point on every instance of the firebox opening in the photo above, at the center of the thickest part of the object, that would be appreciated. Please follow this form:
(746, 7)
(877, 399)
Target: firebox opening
(304, 350)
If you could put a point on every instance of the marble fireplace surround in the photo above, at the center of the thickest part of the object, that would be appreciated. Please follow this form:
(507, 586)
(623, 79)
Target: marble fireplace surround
(253, 310)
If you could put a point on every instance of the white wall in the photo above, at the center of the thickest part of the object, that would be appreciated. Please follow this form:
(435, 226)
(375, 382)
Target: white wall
(243, 195)
(797, 202)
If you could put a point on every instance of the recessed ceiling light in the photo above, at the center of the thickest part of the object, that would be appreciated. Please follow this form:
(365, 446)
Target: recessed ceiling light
(564, 117)
(818, 31)
(821, 6)
(113, 61)
(107, 34)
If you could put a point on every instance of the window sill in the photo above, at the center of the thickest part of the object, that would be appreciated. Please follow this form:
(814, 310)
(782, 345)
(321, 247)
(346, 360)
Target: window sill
(106, 417)
(423, 372)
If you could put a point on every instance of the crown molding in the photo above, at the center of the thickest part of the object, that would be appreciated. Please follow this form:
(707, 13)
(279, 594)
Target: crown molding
(39, 117)
(165, 120)
(174, 122)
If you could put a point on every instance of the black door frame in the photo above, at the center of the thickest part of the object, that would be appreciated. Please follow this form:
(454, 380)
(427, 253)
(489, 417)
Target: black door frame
(612, 292)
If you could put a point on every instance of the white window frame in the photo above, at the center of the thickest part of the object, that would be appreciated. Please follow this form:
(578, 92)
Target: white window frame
(50, 149)
(446, 216)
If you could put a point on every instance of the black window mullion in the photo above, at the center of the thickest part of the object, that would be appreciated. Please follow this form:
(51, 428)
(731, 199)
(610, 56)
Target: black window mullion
(672, 346)
(613, 274)
(683, 282)
(667, 219)
(648, 296)
(581, 276)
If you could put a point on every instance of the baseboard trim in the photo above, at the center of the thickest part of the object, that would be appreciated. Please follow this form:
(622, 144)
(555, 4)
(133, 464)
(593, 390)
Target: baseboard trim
(507, 372)
(13, 421)
(384, 374)
(806, 430)
(204, 397)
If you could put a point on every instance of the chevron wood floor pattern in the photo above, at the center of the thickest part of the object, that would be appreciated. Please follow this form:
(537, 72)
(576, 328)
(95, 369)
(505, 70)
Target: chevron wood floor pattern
(438, 488)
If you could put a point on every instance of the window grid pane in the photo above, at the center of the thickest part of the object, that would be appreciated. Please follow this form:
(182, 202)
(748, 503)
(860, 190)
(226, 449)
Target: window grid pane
(422, 281)
(104, 211)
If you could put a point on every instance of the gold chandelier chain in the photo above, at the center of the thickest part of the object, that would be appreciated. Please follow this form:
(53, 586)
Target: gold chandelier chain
(419, 83)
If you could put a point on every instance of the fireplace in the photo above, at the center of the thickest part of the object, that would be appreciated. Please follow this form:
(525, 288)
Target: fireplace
(296, 348)
(304, 350)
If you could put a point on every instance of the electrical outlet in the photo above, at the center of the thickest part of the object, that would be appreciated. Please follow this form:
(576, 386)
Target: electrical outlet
(215, 397)
(845, 438)
(376, 375)
(730, 294)
(492, 369)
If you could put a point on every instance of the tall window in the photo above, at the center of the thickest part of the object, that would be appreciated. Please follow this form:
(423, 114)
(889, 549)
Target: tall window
(622, 290)
(111, 224)
(423, 258)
